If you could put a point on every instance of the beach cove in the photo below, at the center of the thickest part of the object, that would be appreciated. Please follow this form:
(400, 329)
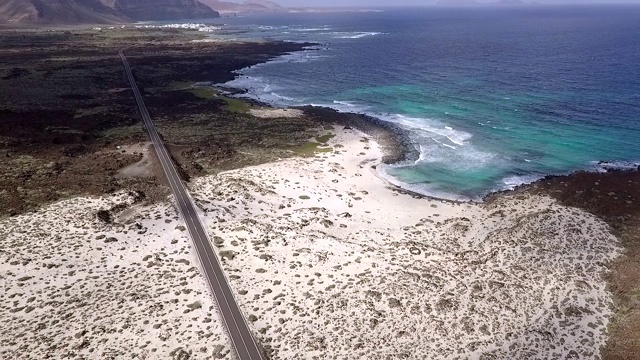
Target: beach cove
(328, 260)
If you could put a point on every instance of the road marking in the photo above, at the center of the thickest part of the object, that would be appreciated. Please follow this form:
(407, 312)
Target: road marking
(188, 211)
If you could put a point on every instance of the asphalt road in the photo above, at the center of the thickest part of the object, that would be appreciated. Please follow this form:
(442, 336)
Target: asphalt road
(241, 337)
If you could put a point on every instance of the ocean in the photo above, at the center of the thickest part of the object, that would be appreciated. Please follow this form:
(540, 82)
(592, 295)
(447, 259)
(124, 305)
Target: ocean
(492, 97)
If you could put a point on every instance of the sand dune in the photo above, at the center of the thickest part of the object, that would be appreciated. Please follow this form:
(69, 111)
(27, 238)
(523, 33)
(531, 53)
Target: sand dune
(74, 286)
(327, 261)
(330, 263)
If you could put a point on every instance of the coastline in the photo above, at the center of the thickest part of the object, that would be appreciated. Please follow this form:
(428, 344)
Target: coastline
(434, 270)
(403, 151)
(397, 148)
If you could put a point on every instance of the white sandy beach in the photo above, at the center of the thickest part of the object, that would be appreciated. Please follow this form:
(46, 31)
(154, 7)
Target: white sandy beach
(327, 261)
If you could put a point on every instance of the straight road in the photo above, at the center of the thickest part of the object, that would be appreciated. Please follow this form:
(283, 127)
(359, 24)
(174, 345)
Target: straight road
(243, 341)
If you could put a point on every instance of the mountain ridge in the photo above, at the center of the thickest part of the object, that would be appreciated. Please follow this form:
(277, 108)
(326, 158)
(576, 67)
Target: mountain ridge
(249, 6)
(58, 12)
(72, 12)
(148, 10)
(457, 3)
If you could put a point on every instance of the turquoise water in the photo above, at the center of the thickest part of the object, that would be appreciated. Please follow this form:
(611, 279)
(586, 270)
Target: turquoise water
(492, 98)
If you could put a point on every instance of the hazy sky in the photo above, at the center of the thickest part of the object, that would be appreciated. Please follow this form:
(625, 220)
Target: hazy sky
(424, 2)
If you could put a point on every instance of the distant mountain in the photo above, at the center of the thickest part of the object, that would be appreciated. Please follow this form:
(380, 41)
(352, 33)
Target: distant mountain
(99, 11)
(457, 3)
(249, 6)
(481, 3)
(509, 3)
(144, 10)
(221, 6)
(263, 4)
(58, 12)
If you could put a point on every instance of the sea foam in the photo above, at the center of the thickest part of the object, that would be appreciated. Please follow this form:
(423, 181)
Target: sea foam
(511, 182)
(356, 35)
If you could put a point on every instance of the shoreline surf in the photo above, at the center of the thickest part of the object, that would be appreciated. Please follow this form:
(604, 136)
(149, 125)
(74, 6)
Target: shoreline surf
(403, 125)
(486, 122)
(403, 152)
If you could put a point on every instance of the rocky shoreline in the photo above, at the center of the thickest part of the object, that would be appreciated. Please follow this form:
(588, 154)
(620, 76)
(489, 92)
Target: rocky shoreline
(285, 198)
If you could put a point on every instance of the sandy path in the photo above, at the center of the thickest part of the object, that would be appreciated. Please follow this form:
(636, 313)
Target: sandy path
(142, 168)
